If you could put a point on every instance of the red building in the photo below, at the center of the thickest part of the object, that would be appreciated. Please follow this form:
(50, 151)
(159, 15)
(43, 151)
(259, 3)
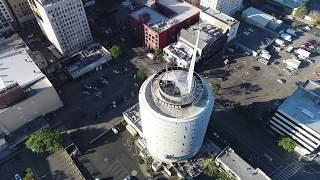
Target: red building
(158, 27)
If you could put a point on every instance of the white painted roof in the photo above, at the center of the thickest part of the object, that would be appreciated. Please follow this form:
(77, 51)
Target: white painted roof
(183, 9)
(304, 105)
(257, 16)
(17, 66)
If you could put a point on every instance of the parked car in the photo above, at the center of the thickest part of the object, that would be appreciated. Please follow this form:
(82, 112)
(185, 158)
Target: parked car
(282, 81)
(86, 92)
(115, 71)
(17, 177)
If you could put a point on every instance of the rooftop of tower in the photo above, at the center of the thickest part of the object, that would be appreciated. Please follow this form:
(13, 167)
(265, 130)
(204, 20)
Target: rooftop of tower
(170, 96)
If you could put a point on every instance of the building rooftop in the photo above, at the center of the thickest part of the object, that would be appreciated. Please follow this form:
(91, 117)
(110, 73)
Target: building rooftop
(245, 36)
(239, 166)
(48, 2)
(258, 16)
(60, 161)
(133, 115)
(182, 9)
(290, 3)
(220, 16)
(154, 16)
(181, 50)
(16, 65)
(148, 3)
(208, 33)
(169, 95)
(304, 105)
(86, 57)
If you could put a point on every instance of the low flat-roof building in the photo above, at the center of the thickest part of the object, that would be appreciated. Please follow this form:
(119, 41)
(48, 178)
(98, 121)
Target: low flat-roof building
(232, 162)
(228, 24)
(299, 118)
(25, 92)
(261, 19)
(289, 6)
(216, 30)
(159, 26)
(87, 60)
(254, 39)
(133, 118)
(211, 40)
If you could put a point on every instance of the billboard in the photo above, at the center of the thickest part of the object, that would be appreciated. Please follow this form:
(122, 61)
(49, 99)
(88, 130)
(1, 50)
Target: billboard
(35, 9)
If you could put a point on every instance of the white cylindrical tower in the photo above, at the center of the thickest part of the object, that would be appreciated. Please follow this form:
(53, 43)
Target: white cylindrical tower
(174, 120)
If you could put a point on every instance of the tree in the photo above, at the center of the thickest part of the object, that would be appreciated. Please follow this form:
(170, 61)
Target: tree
(44, 140)
(211, 169)
(225, 176)
(215, 87)
(141, 74)
(214, 171)
(158, 54)
(148, 161)
(130, 141)
(315, 19)
(287, 143)
(115, 51)
(29, 175)
(301, 11)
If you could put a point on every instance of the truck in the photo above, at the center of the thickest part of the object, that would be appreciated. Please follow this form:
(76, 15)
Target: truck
(289, 49)
(279, 42)
(303, 53)
(265, 56)
(286, 37)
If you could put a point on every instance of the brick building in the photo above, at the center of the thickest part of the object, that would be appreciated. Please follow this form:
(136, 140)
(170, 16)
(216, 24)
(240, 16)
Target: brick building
(158, 27)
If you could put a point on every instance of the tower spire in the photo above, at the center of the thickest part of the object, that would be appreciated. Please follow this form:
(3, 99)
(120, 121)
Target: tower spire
(192, 64)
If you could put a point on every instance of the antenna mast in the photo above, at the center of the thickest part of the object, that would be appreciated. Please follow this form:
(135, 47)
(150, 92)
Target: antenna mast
(192, 64)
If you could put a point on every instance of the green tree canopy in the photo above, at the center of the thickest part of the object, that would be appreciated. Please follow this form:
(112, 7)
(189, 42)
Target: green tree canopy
(148, 161)
(301, 11)
(315, 19)
(115, 51)
(158, 54)
(287, 143)
(215, 87)
(141, 74)
(214, 171)
(130, 141)
(44, 140)
(29, 175)
(211, 169)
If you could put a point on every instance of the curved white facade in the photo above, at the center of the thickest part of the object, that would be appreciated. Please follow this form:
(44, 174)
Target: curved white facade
(178, 135)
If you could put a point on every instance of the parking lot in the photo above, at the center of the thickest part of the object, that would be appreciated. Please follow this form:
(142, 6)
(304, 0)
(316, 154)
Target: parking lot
(255, 86)
(111, 157)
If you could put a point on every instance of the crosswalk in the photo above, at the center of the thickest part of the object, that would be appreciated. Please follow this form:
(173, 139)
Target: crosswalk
(288, 171)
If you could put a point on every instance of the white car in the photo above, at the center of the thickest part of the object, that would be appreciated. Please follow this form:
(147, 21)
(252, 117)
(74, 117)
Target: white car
(282, 81)
(114, 104)
(115, 71)
(114, 130)
(307, 28)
